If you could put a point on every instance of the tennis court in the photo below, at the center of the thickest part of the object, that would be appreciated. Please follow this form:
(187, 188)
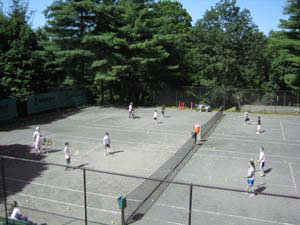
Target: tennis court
(50, 195)
(222, 162)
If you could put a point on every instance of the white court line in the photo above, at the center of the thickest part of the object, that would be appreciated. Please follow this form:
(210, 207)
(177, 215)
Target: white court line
(88, 152)
(293, 178)
(103, 118)
(240, 217)
(233, 157)
(283, 136)
(254, 137)
(238, 181)
(66, 189)
(130, 129)
(121, 141)
(164, 221)
(60, 202)
(255, 141)
(249, 153)
(222, 214)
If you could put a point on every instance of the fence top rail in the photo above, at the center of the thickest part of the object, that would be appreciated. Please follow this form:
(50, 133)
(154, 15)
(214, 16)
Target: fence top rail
(148, 178)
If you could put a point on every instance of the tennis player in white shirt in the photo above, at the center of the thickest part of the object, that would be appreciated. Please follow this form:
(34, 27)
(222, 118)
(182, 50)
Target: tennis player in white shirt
(67, 154)
(262, 159)
(37, 140)
(106, 144)
(155, 116)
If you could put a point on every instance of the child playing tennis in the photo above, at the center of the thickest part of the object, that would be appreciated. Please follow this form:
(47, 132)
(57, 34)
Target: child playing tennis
(106, 143)
(67, 154)
(262, 159)
(250, 177)
(37, 141)
(155, 116)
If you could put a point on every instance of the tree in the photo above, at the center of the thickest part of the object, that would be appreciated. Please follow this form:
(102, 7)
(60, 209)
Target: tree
(288, 43)
(173, 29)
(67, 24)
(229, 49)
(20, 63)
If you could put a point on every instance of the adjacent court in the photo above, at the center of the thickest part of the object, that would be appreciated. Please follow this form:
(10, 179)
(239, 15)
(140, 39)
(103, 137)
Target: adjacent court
(50, 195)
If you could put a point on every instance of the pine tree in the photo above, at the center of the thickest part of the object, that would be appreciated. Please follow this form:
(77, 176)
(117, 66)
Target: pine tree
(20, 63)
(291, 43)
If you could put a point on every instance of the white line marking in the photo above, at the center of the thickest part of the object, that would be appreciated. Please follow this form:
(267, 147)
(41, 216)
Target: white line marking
(283, 136)
(66, 189)
(255, 141)
(164, 221)
(222, 214)
(88, 152)
(249, 153)
(141, 130)
(293, 177)
(60, 202)
(103, 118)
(240, 217)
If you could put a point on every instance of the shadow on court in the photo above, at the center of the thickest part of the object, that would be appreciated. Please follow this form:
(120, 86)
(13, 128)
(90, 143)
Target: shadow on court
(16, 169)
(38, 119)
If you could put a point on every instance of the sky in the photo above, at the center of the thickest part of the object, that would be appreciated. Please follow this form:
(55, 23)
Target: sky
(266, 14)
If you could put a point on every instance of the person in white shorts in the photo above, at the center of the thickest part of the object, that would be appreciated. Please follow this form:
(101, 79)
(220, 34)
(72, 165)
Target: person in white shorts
(262, 159)
(67, 154)
(130, 110)
(37, 140)
(258, 125)
(250, 177)
(155, 116)
(106, 143)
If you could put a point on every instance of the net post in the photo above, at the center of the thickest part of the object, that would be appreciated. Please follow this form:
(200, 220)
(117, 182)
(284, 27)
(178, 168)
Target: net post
(4, 188)
(190, 204)
(84, 192)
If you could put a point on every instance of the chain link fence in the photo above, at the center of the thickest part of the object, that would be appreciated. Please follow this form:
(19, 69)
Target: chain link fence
(243, 99)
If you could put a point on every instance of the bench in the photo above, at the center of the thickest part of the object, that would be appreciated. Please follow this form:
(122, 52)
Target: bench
(12, 222)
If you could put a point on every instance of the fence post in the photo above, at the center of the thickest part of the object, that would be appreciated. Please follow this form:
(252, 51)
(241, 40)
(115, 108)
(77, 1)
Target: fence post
(4, 189)
(84, 190)
(190, 206)
(284, 97)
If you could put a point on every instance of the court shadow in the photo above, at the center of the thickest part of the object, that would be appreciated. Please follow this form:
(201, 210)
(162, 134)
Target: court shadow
(80, 166)
(260, 189)
(136, 217)
(167, 116)
(19, 169)
(39, 119)
(115, 152)
(268, 170)
(159, 122)
(136, 117)
(50, 151)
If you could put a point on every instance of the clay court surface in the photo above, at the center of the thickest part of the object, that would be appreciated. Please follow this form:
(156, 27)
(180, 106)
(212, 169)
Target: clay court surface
(50, 195)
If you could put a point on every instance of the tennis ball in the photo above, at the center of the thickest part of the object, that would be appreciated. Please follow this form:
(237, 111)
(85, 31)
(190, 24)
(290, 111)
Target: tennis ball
(27, 200)
(68, 208)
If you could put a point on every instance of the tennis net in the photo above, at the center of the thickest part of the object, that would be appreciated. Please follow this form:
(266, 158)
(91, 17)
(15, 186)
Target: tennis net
(211, 123)
(140, 200)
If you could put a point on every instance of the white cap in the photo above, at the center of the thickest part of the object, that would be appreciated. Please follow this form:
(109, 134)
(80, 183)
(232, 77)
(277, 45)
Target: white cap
(37, 128)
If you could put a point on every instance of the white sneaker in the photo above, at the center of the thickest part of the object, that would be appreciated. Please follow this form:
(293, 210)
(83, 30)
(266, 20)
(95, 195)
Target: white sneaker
(252, 195)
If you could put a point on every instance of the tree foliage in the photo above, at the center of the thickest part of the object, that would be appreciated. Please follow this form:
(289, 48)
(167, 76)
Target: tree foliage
(20, 64)
(286, 47)
(228, 48)
(126, 50)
